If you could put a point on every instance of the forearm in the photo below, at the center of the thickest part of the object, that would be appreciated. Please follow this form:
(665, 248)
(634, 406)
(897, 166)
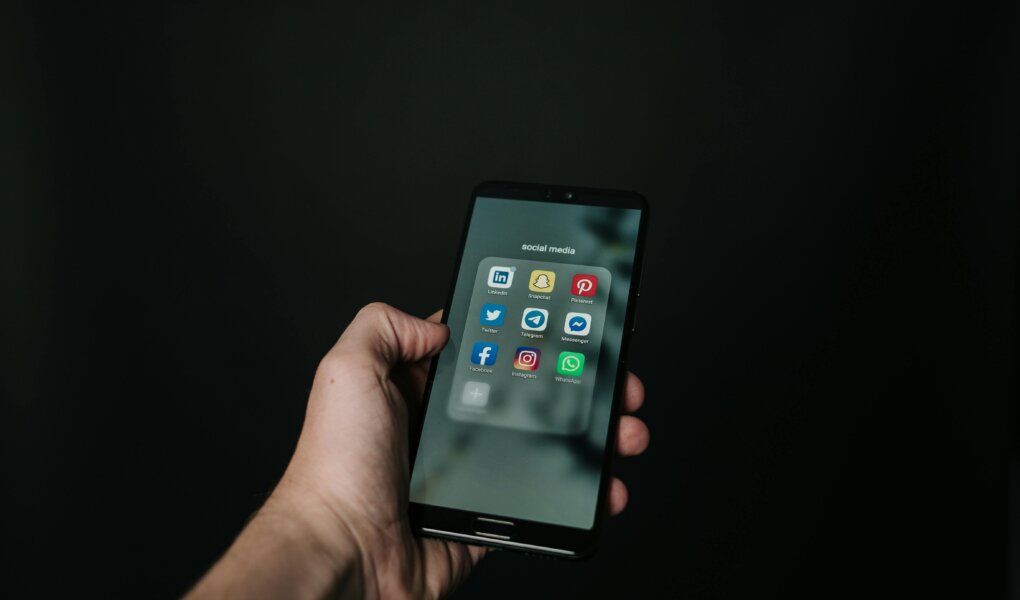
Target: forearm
(286, 553)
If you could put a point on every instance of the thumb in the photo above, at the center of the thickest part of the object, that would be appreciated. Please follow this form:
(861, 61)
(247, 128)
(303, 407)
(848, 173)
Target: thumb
(390, 336)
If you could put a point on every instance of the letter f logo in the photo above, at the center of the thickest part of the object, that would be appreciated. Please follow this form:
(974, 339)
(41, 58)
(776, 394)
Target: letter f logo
(484, 353)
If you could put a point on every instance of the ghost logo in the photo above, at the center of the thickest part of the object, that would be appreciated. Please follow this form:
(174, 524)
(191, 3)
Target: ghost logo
(542, 281)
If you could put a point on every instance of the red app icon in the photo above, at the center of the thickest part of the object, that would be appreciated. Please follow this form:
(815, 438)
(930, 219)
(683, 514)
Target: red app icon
(584, 285)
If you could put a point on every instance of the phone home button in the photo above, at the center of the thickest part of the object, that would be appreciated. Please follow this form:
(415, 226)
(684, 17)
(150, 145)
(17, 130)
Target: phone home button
(494, 528)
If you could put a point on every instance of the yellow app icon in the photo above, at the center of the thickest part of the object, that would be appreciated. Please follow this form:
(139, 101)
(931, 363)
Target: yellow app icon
(542, 281)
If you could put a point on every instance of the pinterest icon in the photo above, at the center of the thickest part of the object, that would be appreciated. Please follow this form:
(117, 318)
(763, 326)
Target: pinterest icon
(584, 285)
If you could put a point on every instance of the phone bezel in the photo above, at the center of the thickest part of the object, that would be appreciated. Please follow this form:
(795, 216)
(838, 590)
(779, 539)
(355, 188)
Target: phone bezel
(531, 536)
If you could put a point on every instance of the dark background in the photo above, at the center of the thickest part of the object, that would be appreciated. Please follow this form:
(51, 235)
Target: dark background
(196, 199)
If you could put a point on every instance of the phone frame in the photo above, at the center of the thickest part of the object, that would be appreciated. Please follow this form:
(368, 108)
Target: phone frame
(507, 532)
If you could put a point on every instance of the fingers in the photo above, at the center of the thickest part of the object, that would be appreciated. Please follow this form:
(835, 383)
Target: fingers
(632, 436)
(618, 497)
(391, 336)
(435, 317)
(633, 393)
(447, 564)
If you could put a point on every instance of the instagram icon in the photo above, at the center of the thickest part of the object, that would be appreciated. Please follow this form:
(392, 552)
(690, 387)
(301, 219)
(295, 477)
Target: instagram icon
(526, 359)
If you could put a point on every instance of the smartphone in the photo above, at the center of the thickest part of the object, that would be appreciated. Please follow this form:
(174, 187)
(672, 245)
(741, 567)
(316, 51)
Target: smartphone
(514, 442)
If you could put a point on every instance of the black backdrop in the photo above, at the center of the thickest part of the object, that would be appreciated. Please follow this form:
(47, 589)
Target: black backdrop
(197, 198)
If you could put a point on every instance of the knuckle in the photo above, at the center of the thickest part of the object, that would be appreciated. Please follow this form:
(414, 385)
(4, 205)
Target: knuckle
(331, 364)
(374, 311)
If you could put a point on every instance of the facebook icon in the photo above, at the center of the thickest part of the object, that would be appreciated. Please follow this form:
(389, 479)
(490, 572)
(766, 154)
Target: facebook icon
(484, 353)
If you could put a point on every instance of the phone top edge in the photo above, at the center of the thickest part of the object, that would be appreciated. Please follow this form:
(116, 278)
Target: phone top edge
(560, 194)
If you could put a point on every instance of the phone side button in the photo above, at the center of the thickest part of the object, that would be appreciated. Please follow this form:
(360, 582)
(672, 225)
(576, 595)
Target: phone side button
(494, 528)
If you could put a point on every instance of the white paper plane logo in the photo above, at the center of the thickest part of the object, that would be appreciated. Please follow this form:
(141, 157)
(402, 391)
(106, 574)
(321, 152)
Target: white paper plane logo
(534, 319)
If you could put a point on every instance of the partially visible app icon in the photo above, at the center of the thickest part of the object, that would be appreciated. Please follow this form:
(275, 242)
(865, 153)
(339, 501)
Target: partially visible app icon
(526, 359)
(577, 323)
(534, 319)
(542, 281)
(493, 314)
(484, 353)
(584, 285)
(476, 393)
(501, 277)
(570, 364)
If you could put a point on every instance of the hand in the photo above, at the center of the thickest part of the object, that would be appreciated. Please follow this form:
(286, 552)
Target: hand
(340, 511)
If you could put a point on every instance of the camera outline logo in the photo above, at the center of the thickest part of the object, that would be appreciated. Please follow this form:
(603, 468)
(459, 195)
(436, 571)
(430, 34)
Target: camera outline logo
(527, 358)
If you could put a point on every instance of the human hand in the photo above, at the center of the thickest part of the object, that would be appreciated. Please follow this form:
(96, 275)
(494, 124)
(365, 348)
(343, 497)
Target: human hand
(346, 488)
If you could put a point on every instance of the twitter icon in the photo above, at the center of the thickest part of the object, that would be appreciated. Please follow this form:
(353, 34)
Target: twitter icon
(493, 314)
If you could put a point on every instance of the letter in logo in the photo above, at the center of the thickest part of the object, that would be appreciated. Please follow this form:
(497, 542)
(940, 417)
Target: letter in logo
(484, 353)
(542, 281)
(584, 285)
(526, 359)
(493, 314)
(501, 277)
(570, 364)
(534, 319)
(577, 323)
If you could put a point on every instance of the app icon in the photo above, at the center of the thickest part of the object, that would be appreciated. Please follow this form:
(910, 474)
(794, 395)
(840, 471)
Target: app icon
(570, 364)
(584, 285)
(534, 319)
(501, 277)
(542, 281)
(526, 359)
(577, 323)
(475, 393)
(493, 314)
(484, 353)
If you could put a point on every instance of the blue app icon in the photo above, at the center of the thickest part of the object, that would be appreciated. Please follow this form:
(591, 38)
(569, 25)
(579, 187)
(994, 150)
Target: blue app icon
(484, 353)
(534, 319)
(493, 314)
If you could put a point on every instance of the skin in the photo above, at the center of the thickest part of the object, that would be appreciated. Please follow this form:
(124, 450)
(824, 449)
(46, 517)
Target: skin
(336, 525)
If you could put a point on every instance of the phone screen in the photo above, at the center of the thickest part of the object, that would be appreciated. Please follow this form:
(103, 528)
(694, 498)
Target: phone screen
(522, 397)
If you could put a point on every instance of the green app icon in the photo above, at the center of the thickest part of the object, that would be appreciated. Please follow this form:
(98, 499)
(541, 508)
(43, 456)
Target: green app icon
(570, 364)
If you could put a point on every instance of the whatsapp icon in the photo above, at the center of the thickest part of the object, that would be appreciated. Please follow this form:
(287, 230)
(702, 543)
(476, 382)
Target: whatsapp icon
(570, 364)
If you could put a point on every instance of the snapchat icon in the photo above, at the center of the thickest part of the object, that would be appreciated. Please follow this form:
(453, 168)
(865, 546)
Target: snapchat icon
(542, 281)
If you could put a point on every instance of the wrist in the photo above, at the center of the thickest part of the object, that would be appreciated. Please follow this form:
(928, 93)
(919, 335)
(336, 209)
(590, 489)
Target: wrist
(315, 534)
(286, 551)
